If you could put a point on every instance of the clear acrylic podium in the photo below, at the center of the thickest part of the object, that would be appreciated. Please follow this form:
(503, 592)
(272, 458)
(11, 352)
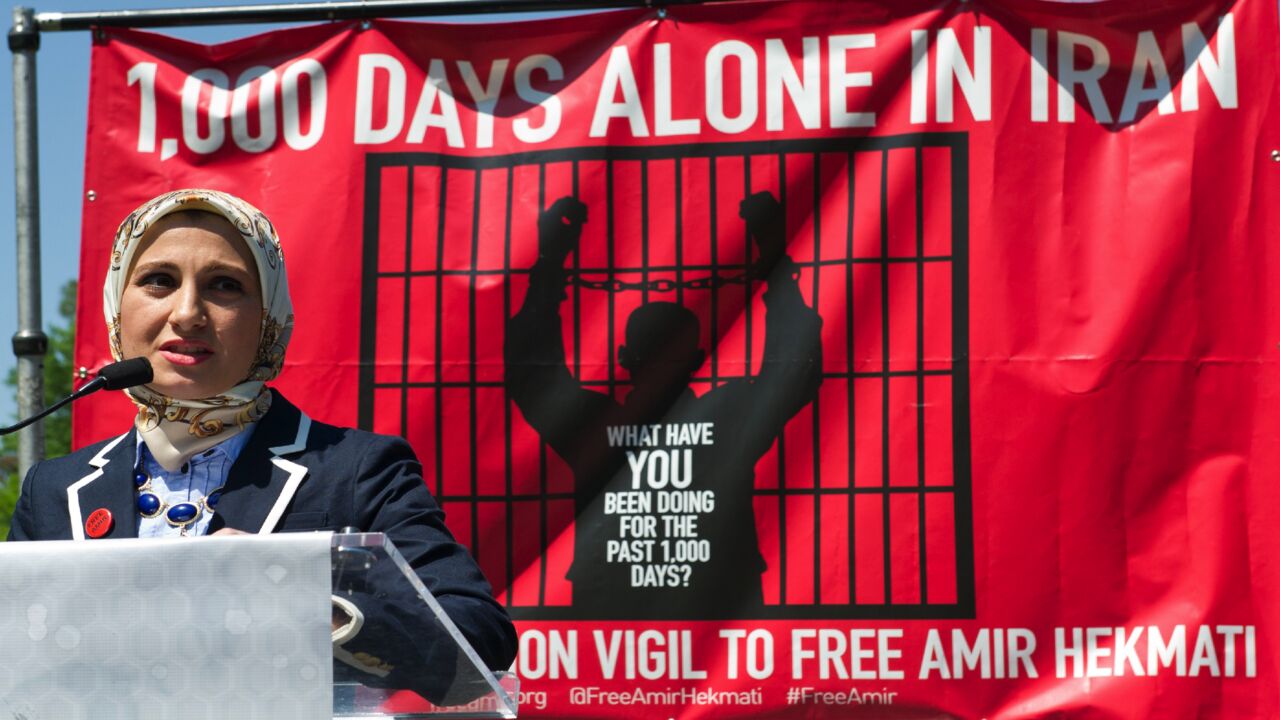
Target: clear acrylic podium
(231, 628)
(371, 680)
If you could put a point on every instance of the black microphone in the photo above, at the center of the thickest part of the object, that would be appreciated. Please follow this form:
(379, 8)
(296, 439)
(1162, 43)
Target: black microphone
(116, 376)
(124, 374)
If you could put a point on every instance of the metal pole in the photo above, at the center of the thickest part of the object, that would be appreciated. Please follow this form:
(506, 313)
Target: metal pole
(325, 10)
(29, 343)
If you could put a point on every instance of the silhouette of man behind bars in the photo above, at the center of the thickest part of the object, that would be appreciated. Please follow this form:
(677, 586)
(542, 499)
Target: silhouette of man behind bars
(665, 526)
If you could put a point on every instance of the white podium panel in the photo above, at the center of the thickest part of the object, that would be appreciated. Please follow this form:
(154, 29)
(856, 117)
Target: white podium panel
(231, 628)
(205, 628)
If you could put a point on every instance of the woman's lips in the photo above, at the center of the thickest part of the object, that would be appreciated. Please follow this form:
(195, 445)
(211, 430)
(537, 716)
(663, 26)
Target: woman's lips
(185, 353)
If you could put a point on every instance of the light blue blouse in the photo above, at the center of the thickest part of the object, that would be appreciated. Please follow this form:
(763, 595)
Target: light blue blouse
(201, 475)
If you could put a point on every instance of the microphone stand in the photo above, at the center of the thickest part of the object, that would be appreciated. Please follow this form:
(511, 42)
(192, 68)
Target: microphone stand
(116, 376)
(92, 386)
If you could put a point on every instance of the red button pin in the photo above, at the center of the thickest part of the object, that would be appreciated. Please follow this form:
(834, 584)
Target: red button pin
(99, 523)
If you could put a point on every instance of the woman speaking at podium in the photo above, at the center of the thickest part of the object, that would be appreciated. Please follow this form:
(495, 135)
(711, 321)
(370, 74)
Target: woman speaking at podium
(197, 285)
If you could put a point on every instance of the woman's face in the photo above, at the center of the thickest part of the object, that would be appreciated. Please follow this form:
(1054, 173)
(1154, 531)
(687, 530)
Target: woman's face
(192, 306)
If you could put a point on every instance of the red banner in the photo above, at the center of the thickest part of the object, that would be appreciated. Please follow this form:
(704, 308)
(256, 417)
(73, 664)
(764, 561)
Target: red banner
(799, 358)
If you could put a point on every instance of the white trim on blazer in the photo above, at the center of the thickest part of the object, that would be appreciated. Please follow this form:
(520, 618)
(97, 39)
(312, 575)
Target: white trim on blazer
(99, 461)
(296, 474)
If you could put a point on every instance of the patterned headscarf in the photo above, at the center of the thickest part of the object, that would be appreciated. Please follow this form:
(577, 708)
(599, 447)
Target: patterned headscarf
(175, 430)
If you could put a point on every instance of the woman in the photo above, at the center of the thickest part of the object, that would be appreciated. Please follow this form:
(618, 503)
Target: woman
(197, 285)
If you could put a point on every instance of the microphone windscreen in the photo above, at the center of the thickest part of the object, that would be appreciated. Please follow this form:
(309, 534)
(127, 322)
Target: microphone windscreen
(126, 373)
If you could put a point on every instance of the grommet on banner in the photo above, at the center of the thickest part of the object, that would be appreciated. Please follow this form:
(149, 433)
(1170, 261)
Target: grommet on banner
(1275, 155)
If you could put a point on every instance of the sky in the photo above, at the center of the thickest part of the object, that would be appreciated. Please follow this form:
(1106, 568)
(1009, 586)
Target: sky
(62, 66)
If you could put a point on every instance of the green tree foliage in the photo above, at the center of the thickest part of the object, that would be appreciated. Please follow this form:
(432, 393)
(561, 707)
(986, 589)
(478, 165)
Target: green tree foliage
(58, 376)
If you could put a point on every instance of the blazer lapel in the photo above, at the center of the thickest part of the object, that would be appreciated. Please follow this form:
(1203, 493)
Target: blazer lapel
(108, 486)
(263, 479)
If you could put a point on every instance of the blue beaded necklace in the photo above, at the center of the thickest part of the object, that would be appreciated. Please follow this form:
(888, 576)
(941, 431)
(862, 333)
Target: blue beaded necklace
(180, 515)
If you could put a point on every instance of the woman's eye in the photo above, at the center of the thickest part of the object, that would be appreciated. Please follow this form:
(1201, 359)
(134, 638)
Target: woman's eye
(226, 284)
(157, 280)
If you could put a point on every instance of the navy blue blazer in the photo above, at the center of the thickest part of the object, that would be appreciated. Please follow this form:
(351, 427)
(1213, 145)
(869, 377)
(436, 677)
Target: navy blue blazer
(296, 474)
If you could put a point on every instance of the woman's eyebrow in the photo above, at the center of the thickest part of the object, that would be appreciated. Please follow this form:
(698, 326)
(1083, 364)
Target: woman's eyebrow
(224, 267)
(152, 265)
(215, 267)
